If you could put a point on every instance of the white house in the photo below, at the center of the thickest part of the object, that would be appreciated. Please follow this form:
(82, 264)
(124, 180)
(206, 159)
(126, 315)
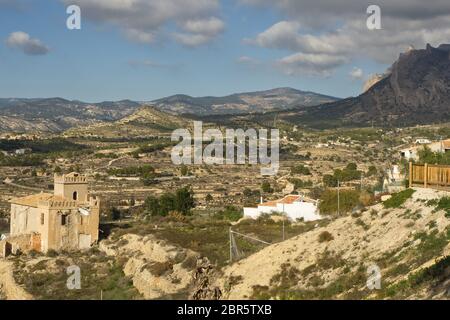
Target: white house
(293, 206)
(412, 152)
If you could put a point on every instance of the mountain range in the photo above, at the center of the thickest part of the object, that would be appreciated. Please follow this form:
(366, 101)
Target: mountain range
(240, 103)
(57, 114)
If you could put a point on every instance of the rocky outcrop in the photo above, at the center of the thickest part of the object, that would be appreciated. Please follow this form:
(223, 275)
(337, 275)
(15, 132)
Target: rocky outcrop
(416, 90)
(158, 270)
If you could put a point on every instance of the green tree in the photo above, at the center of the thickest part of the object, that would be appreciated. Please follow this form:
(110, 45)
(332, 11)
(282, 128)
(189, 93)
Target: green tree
(372, 171)
(151, 204)
(266, 187)
(184, 200)
(166, 203)
(330, 180)
(184, 170)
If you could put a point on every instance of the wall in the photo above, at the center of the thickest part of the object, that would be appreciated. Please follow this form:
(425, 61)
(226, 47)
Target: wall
(24, 219)
(67, 189)
(306, 210)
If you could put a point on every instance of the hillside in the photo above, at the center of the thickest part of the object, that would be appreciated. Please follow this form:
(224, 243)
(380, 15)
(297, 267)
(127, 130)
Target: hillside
(416, 90)
(249, 102)
(145, 121)
(409, 244)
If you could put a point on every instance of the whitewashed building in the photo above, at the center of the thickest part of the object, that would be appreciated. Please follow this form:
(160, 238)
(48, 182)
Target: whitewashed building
(412, 152)
(293, 206)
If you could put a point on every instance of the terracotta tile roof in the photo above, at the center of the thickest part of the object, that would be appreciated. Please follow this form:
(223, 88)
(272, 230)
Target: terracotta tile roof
(286, 200)
(33, 200)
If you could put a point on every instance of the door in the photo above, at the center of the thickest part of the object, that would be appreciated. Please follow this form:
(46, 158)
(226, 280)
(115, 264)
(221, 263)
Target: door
(84, 241)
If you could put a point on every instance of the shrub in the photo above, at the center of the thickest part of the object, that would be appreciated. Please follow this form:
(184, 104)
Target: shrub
(372, 171)
(325, 236)
(348, 200)
(398, 199)
(52, 253)
(300, 169)
(176, 216)
(230, 213)
(182, 201)
(444, 204)
(266, 187)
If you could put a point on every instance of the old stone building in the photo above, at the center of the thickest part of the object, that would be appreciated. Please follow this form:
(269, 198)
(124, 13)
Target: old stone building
(67, 219)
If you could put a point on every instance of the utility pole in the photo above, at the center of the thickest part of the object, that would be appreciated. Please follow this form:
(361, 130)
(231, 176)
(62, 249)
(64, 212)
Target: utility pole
(361, 187)
(231, 248)
(338, 198)
(284, 213)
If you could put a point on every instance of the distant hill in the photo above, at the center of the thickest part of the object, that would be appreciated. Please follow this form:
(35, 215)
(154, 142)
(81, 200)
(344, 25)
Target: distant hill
(57, 114)
(239, 103)
(416, 90)
(145, 121)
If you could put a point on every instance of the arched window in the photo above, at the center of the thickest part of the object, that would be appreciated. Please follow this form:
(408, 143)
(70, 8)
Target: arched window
(75, 195)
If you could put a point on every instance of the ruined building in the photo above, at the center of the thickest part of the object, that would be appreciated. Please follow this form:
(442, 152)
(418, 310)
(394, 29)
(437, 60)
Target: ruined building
(67, 219)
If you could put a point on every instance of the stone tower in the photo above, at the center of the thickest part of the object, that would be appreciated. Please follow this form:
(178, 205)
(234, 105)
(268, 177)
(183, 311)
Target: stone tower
(72, 186)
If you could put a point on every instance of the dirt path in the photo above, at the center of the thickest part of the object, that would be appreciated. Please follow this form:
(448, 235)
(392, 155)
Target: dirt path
(8, 286)
(22, 186)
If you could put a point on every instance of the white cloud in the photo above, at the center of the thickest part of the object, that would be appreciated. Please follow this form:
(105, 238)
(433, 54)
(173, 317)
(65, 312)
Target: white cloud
(198, 32)
(338, 29)
(191, 40)
(312, 64)
(356, 73)
(140, 36)
(248, 60)
(283, 34)
(147, 21)
(30, 46)
(210, 26)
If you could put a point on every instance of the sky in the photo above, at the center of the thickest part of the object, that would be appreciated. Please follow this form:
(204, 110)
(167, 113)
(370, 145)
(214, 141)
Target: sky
(148, 49)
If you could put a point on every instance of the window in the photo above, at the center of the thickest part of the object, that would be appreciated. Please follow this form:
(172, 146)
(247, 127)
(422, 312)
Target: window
(42, 218)
(75, 195)
(63, 219)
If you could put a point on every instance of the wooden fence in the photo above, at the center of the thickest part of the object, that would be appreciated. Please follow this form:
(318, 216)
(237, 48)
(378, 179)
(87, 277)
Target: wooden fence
(429, 176)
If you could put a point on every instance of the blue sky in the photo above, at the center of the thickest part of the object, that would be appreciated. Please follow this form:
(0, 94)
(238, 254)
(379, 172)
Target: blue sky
(100, 63)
